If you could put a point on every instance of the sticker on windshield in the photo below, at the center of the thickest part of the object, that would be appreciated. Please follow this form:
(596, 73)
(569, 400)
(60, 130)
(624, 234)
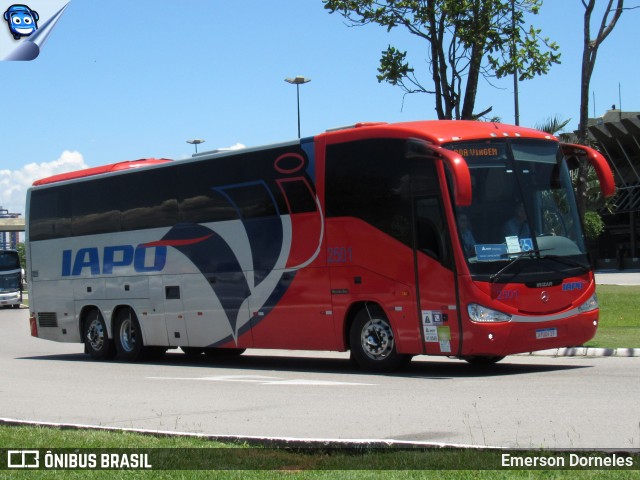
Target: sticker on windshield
(526, 244)
(491, 251)
(513, 245)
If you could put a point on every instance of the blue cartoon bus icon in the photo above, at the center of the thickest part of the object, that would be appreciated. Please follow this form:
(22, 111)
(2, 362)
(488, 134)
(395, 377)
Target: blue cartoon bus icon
(22, 20)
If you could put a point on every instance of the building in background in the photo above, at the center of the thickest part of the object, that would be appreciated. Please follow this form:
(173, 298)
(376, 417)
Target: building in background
(617, 135)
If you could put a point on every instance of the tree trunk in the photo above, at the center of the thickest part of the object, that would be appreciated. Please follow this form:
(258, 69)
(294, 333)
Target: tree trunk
(472, 82)
(589, 54)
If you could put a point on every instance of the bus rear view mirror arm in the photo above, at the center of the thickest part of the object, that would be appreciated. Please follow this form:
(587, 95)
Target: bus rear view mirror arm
(599, 163)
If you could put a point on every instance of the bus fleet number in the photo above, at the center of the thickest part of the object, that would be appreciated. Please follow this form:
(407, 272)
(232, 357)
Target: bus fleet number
(339, 255)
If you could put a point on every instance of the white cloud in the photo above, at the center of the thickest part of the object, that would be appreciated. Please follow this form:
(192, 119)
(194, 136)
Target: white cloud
(237, 146)
(14, 183)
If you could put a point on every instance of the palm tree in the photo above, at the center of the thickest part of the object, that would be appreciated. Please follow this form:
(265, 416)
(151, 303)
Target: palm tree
(552, 125)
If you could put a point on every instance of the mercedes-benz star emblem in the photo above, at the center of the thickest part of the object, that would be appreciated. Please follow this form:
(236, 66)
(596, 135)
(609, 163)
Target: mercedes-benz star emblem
(544, 296)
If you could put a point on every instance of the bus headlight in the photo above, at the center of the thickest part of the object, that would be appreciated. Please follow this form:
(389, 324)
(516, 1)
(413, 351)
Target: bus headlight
(589, 305)
(481, 314)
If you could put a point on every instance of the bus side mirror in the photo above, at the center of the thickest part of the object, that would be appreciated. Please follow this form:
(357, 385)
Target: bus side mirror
(599, 163)
(461, 176)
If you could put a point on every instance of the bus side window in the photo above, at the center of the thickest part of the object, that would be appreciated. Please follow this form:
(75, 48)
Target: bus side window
(431, 231)
(428, 241)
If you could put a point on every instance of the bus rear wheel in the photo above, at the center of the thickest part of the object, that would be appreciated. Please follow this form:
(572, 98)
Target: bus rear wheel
(373, 344)
(96, 339)
(128, 336)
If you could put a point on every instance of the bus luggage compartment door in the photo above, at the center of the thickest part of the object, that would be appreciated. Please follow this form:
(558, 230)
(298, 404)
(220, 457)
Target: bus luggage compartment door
(174, 310)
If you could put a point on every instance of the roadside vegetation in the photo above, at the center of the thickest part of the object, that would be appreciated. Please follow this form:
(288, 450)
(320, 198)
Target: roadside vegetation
(619, 317)
(250, 462)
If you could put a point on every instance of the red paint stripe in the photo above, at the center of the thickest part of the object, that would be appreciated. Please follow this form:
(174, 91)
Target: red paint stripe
(178, 243)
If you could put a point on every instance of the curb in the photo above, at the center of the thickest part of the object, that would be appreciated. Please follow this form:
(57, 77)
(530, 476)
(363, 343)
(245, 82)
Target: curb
(588, 352)
(260, 441)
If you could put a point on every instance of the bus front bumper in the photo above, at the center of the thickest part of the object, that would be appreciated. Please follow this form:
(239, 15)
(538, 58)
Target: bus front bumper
(523, 336)
(13, 298)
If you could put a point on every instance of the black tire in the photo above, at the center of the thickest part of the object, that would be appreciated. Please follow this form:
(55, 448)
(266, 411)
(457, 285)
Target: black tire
(372, 342)
(480, 361)
(223, 352)
(96, 339)
(128, 336)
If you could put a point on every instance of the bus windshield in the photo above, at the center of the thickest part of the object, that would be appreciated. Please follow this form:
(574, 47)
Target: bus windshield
(9, 271)
(9, 260)
(523, 223)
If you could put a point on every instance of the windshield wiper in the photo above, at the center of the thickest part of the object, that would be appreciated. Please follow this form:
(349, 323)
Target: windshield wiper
(568, 261)
(513, 261)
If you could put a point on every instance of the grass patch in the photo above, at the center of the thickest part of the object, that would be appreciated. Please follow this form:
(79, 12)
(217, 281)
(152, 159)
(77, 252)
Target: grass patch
(274, 463)
(619, 317)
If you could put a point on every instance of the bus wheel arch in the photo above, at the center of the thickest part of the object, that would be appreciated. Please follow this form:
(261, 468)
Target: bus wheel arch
(95, 334)
(127, 333)
(372, 339)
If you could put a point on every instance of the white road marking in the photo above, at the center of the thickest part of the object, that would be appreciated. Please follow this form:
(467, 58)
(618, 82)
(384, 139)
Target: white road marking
(264, 380)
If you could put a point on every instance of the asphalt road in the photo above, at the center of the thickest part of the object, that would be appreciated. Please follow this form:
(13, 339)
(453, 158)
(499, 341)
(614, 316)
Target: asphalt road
(524, 401)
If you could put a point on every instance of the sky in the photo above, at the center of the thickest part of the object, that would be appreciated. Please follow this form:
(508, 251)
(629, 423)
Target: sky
(129, 79)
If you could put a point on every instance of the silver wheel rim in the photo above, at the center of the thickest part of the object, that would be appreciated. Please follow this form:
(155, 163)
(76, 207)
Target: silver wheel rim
(127, 335)
(376, 339)
(96, 334)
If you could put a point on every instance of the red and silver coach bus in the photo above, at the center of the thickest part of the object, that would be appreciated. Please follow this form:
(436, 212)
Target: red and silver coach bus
(450, 238)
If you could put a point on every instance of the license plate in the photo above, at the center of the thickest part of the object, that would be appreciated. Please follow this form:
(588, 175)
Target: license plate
(546, 333)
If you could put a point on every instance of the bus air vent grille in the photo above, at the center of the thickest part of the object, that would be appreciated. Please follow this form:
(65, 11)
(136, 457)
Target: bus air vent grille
(48, 319)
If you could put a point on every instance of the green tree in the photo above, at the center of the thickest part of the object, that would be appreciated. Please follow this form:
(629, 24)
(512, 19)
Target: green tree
(20, 247)
(552, 125)
(466, 40)
(593, 225)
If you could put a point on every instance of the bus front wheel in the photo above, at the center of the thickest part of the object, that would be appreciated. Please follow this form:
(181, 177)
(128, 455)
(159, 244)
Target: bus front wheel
(372, 342)
(96, 339)
(128, 336)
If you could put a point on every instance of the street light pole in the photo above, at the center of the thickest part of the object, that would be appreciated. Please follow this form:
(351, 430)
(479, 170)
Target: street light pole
(195, 142)
(297, 81)
(516, 105)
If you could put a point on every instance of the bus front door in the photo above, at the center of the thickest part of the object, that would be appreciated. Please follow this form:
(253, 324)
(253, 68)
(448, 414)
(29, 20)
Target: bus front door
(436, 281)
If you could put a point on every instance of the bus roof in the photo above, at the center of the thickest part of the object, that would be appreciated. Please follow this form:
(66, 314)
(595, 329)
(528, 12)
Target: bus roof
(113, 167)
(437, 131)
